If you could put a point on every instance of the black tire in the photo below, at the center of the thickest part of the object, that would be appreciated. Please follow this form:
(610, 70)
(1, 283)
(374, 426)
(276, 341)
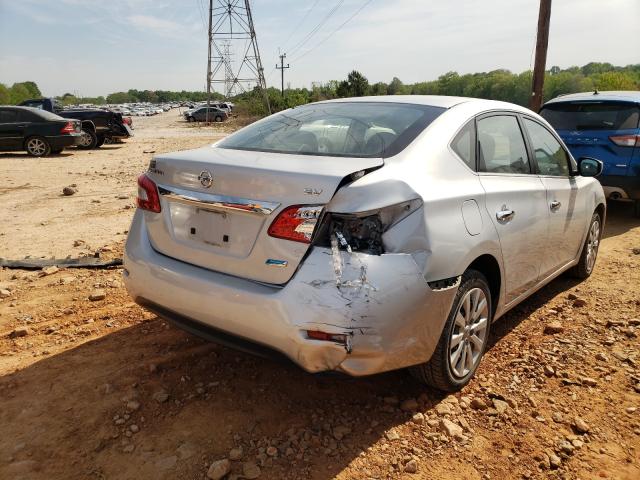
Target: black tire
(438, 371)
(89, 140)
(100, 141)
(218, 118)
(108, 141)
(57, 151)
(636, 208)
(585, 266)
(191, 119)
(37, 146)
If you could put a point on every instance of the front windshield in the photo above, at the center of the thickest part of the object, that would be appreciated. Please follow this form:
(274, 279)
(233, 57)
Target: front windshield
(344, 129)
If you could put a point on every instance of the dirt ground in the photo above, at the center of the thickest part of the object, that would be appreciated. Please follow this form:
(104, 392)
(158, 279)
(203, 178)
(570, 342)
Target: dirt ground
(104, 390)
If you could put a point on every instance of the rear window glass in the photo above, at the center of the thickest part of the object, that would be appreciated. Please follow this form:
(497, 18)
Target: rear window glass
(592, 115)
(341, 129)
(8, 116)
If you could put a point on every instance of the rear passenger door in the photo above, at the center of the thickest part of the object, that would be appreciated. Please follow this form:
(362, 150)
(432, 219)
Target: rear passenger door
(11, 129)
(564, 206)
(515, 199)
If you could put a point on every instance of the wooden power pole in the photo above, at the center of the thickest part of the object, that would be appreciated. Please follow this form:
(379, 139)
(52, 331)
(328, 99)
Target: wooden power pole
(282, 68)
(542, 42)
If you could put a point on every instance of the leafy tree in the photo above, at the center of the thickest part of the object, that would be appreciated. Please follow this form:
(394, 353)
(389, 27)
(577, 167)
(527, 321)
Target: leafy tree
(396, 87)
(5, 95)
(356, 85)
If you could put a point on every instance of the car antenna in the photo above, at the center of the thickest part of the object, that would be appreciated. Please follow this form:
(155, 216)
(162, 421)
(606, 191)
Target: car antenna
(595, 92)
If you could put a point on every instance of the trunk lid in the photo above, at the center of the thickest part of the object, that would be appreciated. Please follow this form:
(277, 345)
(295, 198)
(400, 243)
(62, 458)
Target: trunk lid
(217, 205)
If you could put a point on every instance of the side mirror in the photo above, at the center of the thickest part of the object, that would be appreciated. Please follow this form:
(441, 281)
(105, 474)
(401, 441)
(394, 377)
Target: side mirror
(589, 167)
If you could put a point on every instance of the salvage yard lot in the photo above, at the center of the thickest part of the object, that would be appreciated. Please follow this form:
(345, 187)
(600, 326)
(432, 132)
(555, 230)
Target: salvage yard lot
(103, 389)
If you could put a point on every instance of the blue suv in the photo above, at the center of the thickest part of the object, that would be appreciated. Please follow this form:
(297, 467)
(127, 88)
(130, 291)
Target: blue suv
(606, 126)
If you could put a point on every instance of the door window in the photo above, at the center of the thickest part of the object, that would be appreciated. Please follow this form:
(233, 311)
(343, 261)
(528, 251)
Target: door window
(464, 143)
(550, 156)
(26, 116)
(8, 116)
(501, 148)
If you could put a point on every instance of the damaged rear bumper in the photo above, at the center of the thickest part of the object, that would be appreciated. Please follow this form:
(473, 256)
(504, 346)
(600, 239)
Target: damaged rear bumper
(390, 316)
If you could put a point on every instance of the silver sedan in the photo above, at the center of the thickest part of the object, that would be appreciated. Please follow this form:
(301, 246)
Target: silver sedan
(365, 235)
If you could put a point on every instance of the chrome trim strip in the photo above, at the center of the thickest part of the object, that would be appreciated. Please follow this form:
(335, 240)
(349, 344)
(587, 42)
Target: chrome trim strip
(217, 202)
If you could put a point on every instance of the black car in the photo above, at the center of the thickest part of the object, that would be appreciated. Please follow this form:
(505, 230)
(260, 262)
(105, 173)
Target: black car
(97, 125)
(36, 131)
(200, 115)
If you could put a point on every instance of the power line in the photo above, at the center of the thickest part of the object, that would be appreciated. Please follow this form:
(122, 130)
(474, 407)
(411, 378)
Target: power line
(334, 31)
(201, 11)
(300, 23)
(316, 28)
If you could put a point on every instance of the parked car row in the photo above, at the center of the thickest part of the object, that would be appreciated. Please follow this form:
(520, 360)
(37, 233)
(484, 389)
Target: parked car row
(98, 126)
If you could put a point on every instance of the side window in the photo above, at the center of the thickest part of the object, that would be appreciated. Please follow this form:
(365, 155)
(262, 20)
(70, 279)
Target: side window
(8, 116)
(464, 145)
(501, 146)
(549, 154)
(24, 116)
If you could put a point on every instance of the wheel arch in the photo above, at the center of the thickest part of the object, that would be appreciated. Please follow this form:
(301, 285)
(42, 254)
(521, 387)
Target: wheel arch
(89, 125)
(488, 265)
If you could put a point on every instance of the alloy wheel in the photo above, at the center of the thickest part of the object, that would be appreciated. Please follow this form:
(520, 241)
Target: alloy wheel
(469, 332)
(593, 242)
(36, 147)
(85, 139)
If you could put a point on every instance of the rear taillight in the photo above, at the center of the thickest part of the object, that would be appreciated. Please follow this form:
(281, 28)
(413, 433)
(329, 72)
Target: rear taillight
(148, 198)
(68, 128)
(626, 140)
(296, 223)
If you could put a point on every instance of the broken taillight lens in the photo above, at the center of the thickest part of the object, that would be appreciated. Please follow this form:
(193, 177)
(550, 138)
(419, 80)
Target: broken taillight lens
(362, 231)
(296, 223)
(148, 197)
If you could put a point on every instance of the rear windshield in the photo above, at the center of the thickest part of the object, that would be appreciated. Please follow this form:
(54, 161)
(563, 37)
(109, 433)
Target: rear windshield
(592, 115)
(344, 129)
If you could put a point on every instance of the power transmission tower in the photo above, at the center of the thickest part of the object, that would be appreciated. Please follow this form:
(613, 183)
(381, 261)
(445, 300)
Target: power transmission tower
(282, 69)
(231, 29)
(542, 42)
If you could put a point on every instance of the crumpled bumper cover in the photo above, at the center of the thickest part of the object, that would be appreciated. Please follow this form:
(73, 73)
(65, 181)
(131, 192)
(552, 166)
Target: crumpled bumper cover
(391, 317)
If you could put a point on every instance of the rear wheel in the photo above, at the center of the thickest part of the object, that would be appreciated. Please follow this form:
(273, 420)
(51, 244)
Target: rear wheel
(464, 337)
(218, 118)
(88, 140)
(191, 119)
(587, 261)
(37, 146)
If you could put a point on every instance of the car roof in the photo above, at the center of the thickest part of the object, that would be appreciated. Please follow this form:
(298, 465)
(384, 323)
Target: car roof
(26, 109)
(606, 96)
(442, 101)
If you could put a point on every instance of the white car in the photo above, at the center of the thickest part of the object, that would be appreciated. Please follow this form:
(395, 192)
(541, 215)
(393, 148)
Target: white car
(395, 243)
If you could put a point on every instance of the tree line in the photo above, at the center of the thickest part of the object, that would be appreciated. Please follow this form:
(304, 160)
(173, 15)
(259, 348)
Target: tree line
(496, 85)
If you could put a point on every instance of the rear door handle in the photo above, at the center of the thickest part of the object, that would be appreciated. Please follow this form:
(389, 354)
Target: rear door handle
(555, 205)
(505, 214)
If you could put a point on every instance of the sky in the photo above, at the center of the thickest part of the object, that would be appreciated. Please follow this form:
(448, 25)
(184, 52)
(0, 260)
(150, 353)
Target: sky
(96, 47)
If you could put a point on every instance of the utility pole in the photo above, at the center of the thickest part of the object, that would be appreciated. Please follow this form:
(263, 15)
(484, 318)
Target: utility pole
(209, 59)
(282, 68)
(542, 42)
